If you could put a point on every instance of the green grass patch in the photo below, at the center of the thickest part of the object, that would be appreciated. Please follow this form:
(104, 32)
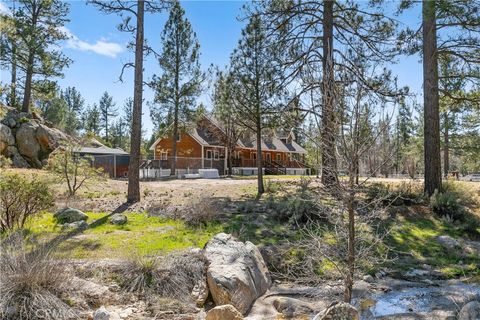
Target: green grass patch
(414, 240)
(141, 235)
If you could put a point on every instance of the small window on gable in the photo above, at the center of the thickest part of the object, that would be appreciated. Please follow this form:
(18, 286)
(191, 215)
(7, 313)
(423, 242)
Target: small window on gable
(209, 154)
(179, 137)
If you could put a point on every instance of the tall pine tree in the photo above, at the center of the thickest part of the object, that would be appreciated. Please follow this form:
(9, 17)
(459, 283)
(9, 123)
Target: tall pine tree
(254, 82)
(39, 29)
(181, 79)
(107, 112)
(75, 103)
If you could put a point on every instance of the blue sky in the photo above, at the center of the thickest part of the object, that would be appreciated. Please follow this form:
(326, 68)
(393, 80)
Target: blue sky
(99, 49)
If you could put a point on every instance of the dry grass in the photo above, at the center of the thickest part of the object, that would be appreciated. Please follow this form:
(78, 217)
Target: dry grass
(171, 276)
(33, 283)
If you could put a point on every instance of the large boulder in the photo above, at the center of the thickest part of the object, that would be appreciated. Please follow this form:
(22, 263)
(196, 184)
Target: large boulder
(27, 139)
(6, 138)
(470, 311)
(338, 311)
(27, 143)
(69, 215)
(236, 274)
(49, 138)
(224, 312)
(17, 160)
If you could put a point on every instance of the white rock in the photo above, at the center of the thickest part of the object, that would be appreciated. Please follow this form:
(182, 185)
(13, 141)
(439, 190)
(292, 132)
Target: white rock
(237, 273)
(101, 314)
(224, 312)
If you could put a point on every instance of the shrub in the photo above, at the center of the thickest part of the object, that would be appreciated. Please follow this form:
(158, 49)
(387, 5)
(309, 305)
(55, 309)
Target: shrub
(172, 276)
(272, 186)
(72, 168)
(33, 282)
(200, 211)
(447, 204)
(21, 199)
(297, 210)
(304, 184)
(405, 193)
(5, 162)
(138, 273)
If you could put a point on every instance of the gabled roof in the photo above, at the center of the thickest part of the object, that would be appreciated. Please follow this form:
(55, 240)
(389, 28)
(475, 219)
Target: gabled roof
(101, 150)
(273, 144)
(278, 142)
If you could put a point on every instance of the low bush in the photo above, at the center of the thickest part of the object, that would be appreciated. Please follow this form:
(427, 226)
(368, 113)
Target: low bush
(171, 276)
(21, 199)
(404, 194)
(304, 185)
(32, 282)
(200, 211)
(138, 273)
(272, 186)
(297, 210)
(5, 162)
(447, 204)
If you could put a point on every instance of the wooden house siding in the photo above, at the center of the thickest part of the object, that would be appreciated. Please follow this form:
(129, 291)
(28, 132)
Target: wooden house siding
(186, 147)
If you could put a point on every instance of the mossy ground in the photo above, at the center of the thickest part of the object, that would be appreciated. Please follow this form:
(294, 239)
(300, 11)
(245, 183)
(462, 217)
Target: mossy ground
(142, 235)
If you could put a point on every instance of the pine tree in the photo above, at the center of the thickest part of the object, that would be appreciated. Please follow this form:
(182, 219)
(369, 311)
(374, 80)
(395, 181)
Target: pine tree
(255, 79)
(9, 43)
(180, 82)
(107, 112)
(223, 110)
(451, 17)
(75, 103)
(39, 28)
(55, 110)
(128, 10)
(314, 37)
(93, 120)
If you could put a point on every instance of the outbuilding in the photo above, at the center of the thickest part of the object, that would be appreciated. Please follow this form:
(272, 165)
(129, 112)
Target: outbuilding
(113, 161)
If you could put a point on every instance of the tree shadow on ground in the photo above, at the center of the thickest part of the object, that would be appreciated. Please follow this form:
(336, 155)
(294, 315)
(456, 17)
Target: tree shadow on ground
(61, 238)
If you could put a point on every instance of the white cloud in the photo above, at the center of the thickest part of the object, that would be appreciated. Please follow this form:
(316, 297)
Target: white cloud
(4, 9)
(102, 46)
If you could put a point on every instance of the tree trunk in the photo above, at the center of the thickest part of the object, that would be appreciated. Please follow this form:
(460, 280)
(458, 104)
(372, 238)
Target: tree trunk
(261, 190)
(27, 89)
(229, 154)
(28, 82)
(433, 177)
(13, 89)
(329, 162)
(173, 167)
(446, 147)
(347, 297)
(136, 133)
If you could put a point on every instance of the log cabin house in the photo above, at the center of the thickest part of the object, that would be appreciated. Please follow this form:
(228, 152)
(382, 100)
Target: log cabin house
(204, 147)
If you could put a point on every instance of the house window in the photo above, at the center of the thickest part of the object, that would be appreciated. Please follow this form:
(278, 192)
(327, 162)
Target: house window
(268, 157)
(163, 155)
(254, 155)
(179, 137)
(279, 157)
(209, 154)
(216, 155)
